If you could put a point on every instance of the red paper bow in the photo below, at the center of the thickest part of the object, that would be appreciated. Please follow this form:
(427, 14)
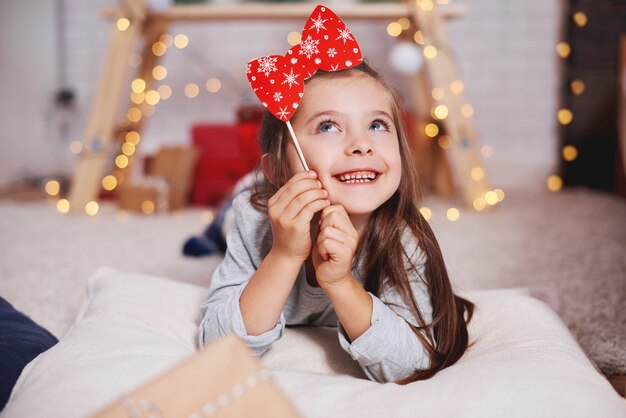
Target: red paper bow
(326, 44)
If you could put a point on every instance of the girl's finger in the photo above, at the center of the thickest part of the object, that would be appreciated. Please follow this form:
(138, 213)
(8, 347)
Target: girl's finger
(299, 202)
(295, 178)
(292, 189)
(307, 212)
(336, 216)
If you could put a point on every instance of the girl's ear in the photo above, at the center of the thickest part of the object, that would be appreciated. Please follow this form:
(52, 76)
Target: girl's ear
(267, 162)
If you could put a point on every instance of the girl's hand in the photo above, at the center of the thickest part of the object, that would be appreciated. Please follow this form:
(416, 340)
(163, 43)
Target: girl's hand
(290, 212)
(334, 247)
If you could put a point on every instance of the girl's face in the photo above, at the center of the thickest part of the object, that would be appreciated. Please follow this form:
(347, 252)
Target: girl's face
(346, 131)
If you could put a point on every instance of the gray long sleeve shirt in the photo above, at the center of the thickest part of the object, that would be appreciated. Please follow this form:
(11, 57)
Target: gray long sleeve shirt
(387, 351)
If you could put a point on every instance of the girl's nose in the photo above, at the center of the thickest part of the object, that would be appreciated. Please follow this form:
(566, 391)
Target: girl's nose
(360, 147)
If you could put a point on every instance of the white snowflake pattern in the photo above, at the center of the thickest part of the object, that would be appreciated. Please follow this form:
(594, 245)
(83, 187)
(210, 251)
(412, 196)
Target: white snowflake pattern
(267, 65)
(318, 23)
(345, 35)
(331, 52)
(248, 69)
(291, 78)
(278, 96)
(308, 47)
(282, 114)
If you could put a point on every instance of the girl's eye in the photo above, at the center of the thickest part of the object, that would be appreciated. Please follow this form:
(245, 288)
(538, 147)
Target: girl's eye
(379, 125)
(327, 126)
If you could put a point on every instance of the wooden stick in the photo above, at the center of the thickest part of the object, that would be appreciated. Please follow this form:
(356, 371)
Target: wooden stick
(298, 149)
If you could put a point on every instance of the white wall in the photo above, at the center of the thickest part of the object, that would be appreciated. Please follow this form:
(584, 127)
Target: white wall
(505, 51)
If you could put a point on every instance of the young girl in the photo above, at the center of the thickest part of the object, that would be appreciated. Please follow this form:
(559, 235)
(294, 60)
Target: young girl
(342, 244)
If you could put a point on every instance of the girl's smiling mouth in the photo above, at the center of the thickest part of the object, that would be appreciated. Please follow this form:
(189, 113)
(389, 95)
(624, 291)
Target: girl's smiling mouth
(357, 177)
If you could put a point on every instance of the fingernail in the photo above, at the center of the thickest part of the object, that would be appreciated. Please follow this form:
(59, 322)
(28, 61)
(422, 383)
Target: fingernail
(312, 173)
(319, 184)
(325, 192)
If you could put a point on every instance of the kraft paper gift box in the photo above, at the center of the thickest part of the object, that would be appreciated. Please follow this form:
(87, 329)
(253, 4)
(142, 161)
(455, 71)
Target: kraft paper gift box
(223, 380)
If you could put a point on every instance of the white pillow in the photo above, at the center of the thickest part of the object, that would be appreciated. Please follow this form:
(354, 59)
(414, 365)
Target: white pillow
(133, 327)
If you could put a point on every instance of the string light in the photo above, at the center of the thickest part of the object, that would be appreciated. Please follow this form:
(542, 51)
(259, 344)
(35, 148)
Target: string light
(404, 23)
(467, 110)
(132, 137)
(121, 161)
(159, 72)
(444, 141)
(394, 29)
(294, 38)
(430, 52)
(138, 85)
(165, 91)
(123, 24)
(426, 213)
(453, 214)
(440, 112)
(152, 97)
(491, 198)
(159, 48)
(563, 49)
(500, 194)
(92, 208)
(554, 183)
(63, 205)
(426, 5)
(570, 153)
(418, 37)
(486, 151)
(192, 90)
(457, 86)
(577, 87)
(479, 203)
(167, 39)
(109, 182)
(477, 173)
(181, 41)
(128, 148)
(76, 147)
(147, 207)
(137, 98)
(431, 130)
(437, 93)
(580, 19)
(565, 116)
(53, 188)
(213, 85)
(134, 114)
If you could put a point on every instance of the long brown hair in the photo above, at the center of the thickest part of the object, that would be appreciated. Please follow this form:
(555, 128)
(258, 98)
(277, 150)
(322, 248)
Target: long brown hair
(445, 338)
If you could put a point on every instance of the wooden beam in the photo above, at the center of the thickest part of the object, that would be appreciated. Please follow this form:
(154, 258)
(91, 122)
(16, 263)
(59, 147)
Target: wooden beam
(271, 11)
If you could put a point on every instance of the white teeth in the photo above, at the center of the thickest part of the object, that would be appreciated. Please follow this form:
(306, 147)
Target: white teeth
(358, 177)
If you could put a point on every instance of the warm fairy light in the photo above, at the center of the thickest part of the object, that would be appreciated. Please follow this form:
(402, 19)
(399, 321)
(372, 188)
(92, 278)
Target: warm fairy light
(441, 112)
(554, 183)
(418, 37)
(134, 114)
(457, 86)
(486, 151)
(294, 38)
(443, 1)
(437, 93)
(565, 116)
(207, 217)
(53, 188)
(159, 48)
(191, 90)
(132, 137)
(569, 152)
(563, 49)
(404, 22)
(121, 161)
(394, 29)
(165, 91)
(138, 85)
(453, 214)
(159, 72)
(134, 59)
(577, 87)
(426, 5)
(431, 130)
(123, 24)
(430, 52)
(147, 207)
(426, 213)
(76, 147)
(181, 41)
(167, 39)
(491, 197)
(128, 148)
(137, 98)
(213, 85)
(479, 203)
(444, 141)
(477, 173)
(500, 194)
(92, 208)
(580, 19)
(152, 97)
(109, 182)
(63, 205)
(467, 110)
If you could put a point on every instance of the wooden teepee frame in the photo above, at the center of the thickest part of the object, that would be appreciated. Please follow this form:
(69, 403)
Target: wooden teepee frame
(447, 172)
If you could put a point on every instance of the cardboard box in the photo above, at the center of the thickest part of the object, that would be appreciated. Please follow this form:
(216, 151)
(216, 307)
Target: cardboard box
(224, 380)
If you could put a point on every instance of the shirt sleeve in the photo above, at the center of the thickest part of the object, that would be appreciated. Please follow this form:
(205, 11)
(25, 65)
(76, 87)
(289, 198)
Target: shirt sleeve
(222, 313)
(389, 350)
